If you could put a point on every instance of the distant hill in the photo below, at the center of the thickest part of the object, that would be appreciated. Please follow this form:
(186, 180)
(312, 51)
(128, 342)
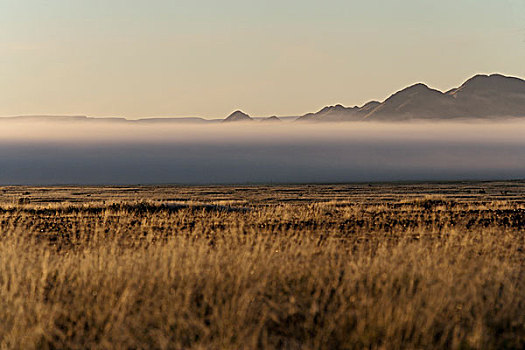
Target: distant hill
(482, 96)
(271, 119)
(238, 116)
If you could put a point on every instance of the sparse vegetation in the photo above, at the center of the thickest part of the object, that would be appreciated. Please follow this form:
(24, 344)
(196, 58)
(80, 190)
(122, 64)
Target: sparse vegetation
(295, 267)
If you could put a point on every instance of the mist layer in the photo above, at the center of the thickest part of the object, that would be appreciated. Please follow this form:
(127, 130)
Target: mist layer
(69, 153)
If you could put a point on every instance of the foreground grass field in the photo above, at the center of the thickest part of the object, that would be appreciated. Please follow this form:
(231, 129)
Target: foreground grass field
(298, 267)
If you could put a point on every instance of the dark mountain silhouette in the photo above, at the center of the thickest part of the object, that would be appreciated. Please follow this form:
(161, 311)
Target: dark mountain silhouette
(334, 113)
(483, 96)
(271, 119)
(416, 101)
(238, 116)
(368, 107)
(341, 113)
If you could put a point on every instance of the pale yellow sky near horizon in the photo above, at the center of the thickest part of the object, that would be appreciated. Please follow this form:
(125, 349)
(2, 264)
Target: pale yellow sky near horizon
(138, 58)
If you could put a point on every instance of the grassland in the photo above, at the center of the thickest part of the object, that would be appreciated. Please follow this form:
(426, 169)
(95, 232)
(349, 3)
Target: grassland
(382, 266)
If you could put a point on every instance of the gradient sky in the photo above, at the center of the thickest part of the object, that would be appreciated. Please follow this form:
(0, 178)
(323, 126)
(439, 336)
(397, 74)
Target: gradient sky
(139, 58)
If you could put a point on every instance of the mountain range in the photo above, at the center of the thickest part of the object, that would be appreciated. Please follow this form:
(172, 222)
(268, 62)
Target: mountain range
(480, 97)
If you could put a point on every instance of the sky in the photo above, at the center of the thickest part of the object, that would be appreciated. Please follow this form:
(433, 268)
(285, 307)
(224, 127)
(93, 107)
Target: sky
(146, 58)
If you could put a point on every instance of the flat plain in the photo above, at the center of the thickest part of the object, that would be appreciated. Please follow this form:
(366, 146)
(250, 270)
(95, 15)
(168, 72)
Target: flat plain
(342, 266)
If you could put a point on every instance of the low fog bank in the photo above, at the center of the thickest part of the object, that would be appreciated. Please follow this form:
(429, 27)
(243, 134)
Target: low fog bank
(68, 153)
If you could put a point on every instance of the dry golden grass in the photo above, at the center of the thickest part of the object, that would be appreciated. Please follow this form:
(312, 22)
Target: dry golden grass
(298, 267)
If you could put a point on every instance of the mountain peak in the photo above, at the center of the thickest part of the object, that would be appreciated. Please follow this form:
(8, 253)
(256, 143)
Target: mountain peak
(480, 79)
(482, 84)
(336, 108)
(238, 112)
(416, 88)
(238, 116)
(370, 105)
(412, 91)
(415, 101)
(271, 119)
